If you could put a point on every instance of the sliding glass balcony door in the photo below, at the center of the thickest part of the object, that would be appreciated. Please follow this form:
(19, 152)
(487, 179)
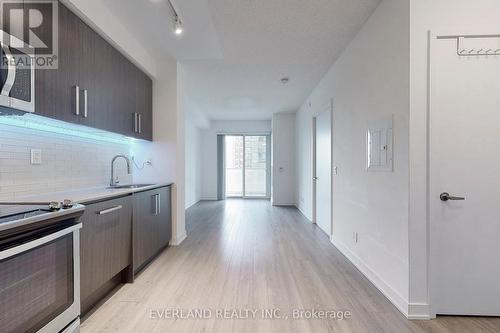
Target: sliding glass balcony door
(234, 159)
(247, 166)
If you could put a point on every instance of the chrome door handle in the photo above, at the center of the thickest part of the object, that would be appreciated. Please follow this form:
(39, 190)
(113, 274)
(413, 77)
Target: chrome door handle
(315, 178)
(446, 196)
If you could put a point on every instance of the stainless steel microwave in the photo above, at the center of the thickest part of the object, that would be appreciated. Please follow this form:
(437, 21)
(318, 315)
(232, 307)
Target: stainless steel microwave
(17, 74)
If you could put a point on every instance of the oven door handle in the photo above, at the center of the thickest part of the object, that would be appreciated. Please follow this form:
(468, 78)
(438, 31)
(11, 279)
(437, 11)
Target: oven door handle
(38, 242)
(11, 71)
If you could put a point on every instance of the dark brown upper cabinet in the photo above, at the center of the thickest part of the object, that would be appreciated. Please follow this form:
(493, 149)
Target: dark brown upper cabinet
(95, 85)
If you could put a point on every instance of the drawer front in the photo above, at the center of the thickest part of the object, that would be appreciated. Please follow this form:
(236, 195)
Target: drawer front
(106, 240)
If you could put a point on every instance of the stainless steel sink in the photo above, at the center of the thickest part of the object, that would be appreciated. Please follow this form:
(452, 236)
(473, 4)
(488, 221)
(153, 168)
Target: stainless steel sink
(130, 186)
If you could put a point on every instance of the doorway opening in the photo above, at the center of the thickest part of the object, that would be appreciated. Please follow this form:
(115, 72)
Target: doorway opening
(247, 166)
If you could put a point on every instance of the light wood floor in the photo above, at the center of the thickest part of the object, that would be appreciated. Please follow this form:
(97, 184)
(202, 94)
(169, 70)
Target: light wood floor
(249, 255)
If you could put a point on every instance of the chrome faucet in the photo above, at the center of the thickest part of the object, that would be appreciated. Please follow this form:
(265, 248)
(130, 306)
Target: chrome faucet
(114, 182)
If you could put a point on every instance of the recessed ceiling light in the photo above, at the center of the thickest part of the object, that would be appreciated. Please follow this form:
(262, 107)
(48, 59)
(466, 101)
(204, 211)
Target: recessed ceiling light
(285, 80)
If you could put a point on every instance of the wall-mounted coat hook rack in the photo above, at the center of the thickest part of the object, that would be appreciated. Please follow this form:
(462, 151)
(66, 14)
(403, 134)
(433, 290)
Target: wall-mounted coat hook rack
(468, 52)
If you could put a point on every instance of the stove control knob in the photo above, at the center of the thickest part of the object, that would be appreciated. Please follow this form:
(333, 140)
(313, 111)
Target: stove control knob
(67, 203)
(54, 205)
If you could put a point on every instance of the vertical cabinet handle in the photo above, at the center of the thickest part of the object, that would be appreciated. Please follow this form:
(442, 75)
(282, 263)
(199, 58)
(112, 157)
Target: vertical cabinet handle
(137, 122)
(85, 103)
(77, 100)
(158, 204)
(140, 123)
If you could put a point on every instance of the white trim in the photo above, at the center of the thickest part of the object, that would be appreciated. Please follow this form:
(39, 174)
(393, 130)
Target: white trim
(177, 240)
(392, 295)
(284, 204)
(419, 311)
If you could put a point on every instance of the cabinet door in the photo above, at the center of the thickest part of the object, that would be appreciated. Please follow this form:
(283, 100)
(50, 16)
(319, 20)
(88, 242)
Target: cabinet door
(143, 245)
(55, 88)
(93, 79)
(152, 224)
(163, 219)
(144, 104)
(106, 240)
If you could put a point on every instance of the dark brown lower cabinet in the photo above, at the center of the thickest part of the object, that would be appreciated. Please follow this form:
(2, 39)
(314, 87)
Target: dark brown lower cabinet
(105, 248)
(152, 226)
(119, 237)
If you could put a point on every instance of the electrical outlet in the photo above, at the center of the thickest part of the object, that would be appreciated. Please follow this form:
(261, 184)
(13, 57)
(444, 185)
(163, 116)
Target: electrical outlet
(36, 156)
(355, 236)
(335, 171)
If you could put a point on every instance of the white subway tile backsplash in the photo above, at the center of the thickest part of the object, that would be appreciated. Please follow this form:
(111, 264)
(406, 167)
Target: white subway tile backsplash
(68, 162)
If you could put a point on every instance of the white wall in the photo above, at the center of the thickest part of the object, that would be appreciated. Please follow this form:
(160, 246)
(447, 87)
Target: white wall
(370, 80)
(209, 148)
(439, 16)
(283, 159)
(193, 163)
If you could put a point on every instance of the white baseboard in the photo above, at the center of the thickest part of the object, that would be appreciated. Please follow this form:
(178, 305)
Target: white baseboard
(392, 295)
(209, 199)
(194, 203)
(177, 240)
(284, 204)
(419, 311)
(302, 212)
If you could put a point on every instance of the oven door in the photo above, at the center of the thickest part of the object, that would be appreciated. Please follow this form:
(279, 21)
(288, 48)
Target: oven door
(40, 283)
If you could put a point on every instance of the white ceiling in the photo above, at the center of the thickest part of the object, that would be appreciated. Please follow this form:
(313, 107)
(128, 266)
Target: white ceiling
(235, 52)
(151, 22)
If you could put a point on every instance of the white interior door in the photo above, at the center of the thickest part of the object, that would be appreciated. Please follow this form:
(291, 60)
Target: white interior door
(465, 162)
(323, 176)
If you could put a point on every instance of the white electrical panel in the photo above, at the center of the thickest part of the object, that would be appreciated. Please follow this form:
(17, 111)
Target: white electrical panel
(379, 142)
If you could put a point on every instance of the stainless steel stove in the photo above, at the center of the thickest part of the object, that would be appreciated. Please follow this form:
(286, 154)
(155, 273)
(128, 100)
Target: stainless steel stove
(40, 267)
